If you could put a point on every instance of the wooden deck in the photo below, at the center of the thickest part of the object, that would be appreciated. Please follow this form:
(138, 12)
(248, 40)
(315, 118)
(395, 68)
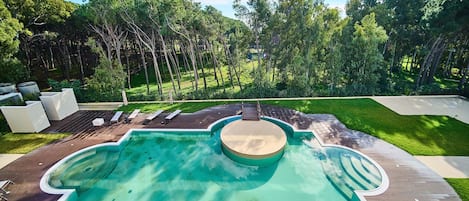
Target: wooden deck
(409, 179)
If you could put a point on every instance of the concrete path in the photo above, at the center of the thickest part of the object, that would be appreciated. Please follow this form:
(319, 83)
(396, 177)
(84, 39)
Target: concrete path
(453, 106)
(6, 159)
(447, 166)
(99, 106)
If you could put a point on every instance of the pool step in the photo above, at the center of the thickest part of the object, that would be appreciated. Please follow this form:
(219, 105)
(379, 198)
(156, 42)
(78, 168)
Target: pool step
(361, 178)
(370, 174)
(348, 172)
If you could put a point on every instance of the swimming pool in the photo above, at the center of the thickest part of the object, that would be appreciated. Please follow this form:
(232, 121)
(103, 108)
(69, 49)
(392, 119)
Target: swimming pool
(190, 165)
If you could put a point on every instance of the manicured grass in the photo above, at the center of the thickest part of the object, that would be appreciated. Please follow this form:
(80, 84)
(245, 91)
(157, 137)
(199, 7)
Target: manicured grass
(461, 186)
(25, 143)
(418, 135)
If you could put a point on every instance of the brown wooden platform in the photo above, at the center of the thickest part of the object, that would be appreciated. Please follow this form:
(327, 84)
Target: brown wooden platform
(409, 179)
(250, 112)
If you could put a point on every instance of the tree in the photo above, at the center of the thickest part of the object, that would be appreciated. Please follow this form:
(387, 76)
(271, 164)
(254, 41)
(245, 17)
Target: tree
(108, 79)
(366, 68)
(9, 30)
(257, 13)
(11, 68)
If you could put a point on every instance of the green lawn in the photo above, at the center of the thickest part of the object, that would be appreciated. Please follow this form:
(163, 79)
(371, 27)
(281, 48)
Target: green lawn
(461, 186)
(25, 143)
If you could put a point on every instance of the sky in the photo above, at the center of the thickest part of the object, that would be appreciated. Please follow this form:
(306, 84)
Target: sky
(225, 6)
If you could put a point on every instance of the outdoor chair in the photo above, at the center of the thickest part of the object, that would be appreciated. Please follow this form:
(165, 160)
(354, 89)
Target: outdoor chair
(3, 197)
(128, 119)
(3, 186)
(171, 116)
(116, 117)
(152, 116)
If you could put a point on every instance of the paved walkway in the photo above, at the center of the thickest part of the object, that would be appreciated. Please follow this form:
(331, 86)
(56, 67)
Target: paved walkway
(6, 159)
(447, 166)
(100, 106)
(453, 106)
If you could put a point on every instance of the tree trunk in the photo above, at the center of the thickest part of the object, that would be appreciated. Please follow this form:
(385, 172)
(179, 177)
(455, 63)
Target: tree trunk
(51, 57)
(172, 58)
(412, 62)
(462, 82)
(230, 62)
(201, 64)
(447, 72)
(129, 72)
(165, 53)
(436, 63)
(217, 66)
(144, 64)
(186, 64)
(82, 70)
(157, 73)
(425, 67)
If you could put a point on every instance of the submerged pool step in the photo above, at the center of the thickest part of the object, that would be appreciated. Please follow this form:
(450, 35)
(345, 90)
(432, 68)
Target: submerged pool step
(338, 176)
(373, 177)
(359, 177)
(348, 172)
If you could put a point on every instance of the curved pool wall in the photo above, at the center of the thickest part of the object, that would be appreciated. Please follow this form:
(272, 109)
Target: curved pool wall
(71, 194)
(253, 161)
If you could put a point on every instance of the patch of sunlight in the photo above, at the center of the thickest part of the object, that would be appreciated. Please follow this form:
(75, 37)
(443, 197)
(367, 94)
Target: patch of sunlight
(432, 124)
(410, 79)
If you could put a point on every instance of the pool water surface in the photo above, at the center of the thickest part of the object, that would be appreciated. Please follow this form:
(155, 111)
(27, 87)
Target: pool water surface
(178, 165)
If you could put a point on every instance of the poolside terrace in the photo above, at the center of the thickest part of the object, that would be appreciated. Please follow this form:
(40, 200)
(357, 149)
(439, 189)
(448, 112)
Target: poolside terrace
(409, 178)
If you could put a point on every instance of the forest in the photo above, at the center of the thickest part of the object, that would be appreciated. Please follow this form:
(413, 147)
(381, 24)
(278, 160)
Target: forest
(177, 49)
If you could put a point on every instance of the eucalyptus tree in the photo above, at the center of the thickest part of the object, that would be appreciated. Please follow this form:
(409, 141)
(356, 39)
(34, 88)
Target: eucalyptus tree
(105, 22)
(257, 14)
(447, 19)
(135, 14)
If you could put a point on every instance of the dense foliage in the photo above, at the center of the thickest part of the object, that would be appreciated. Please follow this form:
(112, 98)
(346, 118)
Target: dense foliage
(179, 49)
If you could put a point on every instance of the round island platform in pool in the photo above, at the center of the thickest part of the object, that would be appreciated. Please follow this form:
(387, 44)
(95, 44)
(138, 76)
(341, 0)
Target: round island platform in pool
(253, 142)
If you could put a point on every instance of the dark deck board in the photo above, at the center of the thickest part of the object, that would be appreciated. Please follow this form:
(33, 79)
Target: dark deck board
(409, 179)
(250, 112)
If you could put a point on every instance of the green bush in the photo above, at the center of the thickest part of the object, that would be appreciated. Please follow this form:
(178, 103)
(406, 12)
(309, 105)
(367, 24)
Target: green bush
(13, 71)
(74, 84)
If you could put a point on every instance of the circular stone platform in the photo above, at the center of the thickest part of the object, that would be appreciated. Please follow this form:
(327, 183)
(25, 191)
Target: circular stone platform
(253, 139)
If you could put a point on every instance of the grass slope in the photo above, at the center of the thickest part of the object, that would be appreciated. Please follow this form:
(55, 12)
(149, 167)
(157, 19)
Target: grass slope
(25, 143)
(461, 186)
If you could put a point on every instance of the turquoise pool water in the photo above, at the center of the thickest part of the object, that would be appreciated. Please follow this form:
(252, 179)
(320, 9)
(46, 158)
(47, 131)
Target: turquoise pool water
(190, 165)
